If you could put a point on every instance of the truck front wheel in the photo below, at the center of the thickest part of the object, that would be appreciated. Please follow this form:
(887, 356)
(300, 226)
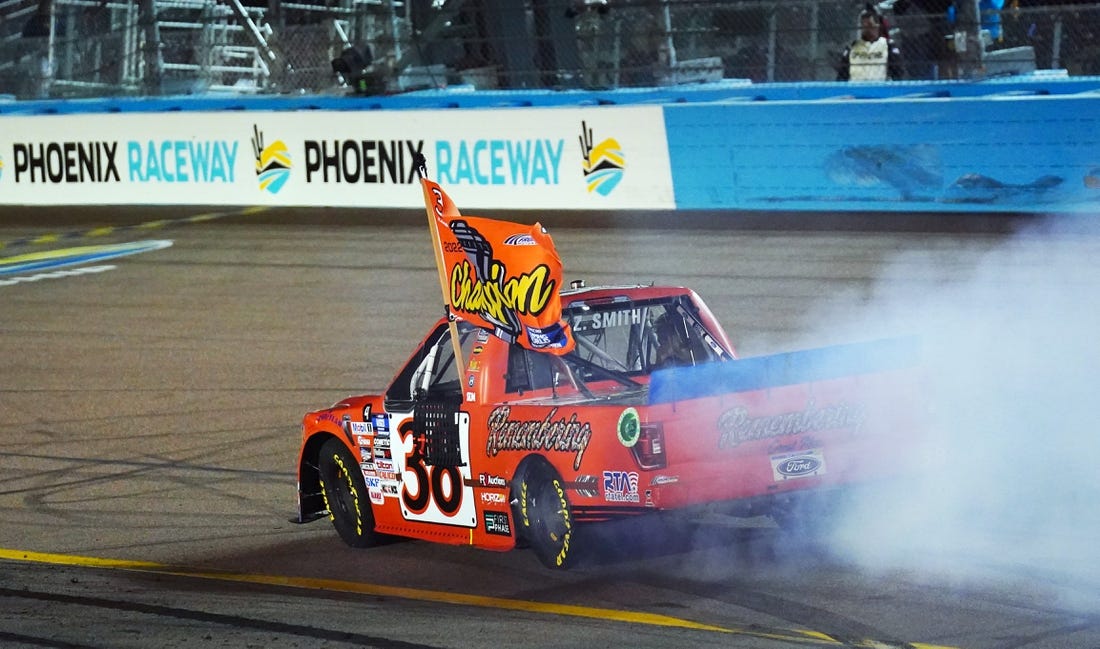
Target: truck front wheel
(345, 495)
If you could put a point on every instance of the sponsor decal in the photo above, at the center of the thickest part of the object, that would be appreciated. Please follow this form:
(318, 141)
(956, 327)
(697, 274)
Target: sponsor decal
(471, 397)
(801, 464)
(620, 486)
(377, 496)
(382, 442)
(603, 162)
(362, 428)
(329, 417)
(629, 427)
(499, 162)
(736, 426)
(383, 464)
(497, 523)
(490, 480)
(381, 422)
(65, 162)
(493, 498)
(182, 161)
(373, 483)
(390, 488)
(523, 239)
(362, 161)
(272, 162)
(482, 334)
(470, 380)
(474, 365)
(547, 434)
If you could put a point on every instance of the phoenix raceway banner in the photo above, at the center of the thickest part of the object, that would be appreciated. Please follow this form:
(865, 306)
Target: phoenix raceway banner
(552, 158)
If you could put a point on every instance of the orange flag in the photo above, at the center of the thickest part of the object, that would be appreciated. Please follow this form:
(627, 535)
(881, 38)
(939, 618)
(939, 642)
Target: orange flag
(499, 275)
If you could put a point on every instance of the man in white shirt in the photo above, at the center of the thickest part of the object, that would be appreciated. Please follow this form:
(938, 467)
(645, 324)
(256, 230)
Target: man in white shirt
(872, 57)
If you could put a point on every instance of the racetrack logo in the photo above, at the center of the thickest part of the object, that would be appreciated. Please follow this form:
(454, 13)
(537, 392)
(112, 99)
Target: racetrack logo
(603, 163)
(272, 162)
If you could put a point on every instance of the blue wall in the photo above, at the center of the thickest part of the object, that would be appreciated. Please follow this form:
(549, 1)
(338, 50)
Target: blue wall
(1026, 144)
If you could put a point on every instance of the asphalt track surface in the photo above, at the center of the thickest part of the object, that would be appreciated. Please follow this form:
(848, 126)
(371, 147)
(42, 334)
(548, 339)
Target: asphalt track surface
(149, 409)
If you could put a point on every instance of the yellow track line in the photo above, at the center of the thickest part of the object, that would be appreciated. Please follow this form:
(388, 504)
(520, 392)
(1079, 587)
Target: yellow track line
(55, 237)
(463, 599)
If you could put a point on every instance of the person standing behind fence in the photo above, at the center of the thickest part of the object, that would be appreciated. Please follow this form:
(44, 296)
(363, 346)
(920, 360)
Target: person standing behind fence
(590, 17)
(871, 57)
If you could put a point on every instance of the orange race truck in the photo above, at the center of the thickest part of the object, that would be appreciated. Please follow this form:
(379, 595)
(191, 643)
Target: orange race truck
(649, 411)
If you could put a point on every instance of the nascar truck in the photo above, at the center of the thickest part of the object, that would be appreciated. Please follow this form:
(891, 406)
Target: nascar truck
(482, 441)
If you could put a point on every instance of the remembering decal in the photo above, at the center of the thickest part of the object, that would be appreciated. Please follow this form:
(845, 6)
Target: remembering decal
(497, 523)
(801, 464)
(546, 434)
(620, 486)
(737, 426)
(629, 427)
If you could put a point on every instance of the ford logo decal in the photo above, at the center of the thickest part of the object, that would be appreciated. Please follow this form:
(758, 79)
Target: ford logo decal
(797, 466)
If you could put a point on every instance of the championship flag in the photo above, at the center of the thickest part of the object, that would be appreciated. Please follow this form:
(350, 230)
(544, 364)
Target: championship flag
(498, 275)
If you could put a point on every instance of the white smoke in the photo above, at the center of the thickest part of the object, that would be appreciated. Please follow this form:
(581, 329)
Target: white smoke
(1011, 344)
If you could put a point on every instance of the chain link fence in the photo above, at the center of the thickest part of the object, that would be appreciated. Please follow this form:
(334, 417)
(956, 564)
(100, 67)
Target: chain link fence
(99, 48)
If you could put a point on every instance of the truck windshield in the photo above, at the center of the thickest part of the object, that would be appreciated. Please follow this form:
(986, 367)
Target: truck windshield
(637, 337)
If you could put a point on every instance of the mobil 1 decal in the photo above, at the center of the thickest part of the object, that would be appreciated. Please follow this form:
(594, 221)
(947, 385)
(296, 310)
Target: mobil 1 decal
(432, 493)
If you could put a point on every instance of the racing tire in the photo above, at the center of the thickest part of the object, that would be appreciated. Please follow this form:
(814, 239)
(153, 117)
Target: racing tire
(345, 494)
(545, 516)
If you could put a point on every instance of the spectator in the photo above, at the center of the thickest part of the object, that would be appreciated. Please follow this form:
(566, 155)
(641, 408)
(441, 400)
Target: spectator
(871, 57)
(592, 40)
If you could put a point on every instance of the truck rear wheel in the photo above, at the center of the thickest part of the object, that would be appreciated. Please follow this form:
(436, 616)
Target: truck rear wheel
(345, 495)
(546, 517)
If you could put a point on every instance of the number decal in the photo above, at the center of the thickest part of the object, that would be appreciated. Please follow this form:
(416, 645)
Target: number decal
(424, 485)
(448, 502)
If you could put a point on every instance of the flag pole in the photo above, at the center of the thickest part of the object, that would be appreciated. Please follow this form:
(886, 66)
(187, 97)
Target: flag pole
(433, 202)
